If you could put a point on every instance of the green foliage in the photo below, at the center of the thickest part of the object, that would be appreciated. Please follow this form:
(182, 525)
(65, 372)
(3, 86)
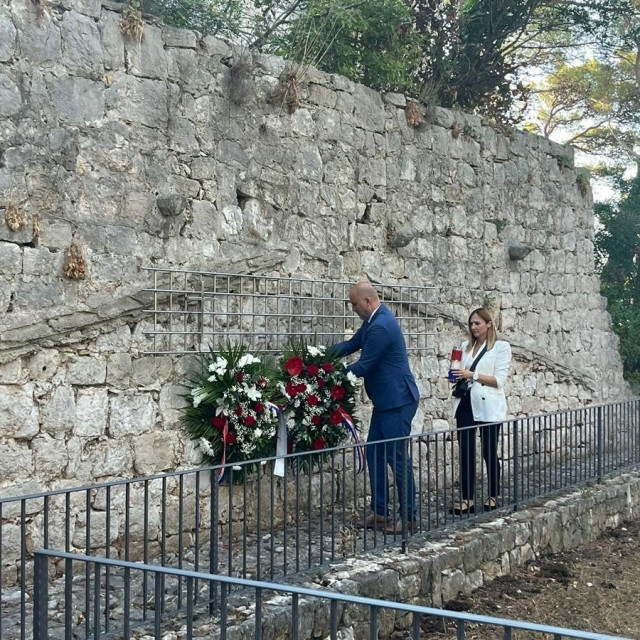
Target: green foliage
(618, 262)
(595, 103)
(372, 42)
(221, 17)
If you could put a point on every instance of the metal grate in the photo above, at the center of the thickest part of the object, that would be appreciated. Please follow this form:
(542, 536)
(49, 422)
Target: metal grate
(195, 310)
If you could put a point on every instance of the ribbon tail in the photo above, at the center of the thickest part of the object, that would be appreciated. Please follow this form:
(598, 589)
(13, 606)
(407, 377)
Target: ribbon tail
(281, 441)
(225, 431)
(348, 424)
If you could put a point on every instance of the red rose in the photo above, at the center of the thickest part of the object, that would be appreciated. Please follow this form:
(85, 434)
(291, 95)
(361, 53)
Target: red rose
(219, 421)
(238, 410)
(258, 407)
(301, 388)
(321, 383)
(335, 417)
(313, 369)
(262, 382)
(291, 389)
(313, 400)
(229, 437)
(249, 421)
(239, 376)
(316, 420)
(338, 392)
(319, 443)
(294, 366)
(328, 367)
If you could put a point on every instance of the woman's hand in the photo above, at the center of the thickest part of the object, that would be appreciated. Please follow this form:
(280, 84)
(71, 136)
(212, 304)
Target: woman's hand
(462, 374)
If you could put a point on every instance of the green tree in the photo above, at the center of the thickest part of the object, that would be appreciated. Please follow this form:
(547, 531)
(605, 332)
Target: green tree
(372, 41)
(618, 261)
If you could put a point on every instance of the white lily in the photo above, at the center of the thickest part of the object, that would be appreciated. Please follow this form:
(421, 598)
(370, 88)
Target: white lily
(219, 367)
(198, 394)
(246, 359)
(205, 446)
(252, 393)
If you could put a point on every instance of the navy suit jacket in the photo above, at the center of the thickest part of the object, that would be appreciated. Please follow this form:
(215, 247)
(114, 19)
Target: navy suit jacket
(383, 363)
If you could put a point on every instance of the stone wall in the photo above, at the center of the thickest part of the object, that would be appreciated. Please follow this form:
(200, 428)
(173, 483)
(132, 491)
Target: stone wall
(433, 572)
(180, 151)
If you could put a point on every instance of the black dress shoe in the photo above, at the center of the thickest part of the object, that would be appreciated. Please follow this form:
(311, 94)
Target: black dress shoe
(463, 509)
(492, 505)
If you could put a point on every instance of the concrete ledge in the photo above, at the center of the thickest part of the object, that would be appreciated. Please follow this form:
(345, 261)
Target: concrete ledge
(451, 562)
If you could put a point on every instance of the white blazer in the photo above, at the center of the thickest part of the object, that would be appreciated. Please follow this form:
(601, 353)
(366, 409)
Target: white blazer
(489, 404)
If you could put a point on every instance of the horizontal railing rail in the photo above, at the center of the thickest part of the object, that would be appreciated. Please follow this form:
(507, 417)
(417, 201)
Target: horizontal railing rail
(194, 311)
(88, 612)
(263, 526)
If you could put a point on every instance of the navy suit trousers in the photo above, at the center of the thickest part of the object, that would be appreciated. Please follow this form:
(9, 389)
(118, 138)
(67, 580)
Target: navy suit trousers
(394, 423)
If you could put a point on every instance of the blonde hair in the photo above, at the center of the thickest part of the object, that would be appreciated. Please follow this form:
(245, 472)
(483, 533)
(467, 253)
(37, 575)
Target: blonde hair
(487, 316)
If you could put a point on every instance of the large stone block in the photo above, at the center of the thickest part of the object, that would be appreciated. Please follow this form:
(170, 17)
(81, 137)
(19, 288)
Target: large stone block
(140, 100)
(155, 452)
(87, 370)
(7, 36)
(10, 97)
(16, 462)
(10, 259)
(81, 50)
(39, 38)
(58, 413)
(131, 415)
(18, 412)
(148, 58)
(78, 100)
(92, 408)
(50, 457)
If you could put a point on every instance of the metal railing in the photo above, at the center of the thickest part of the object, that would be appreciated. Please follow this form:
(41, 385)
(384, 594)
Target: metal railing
(87, 610)
(264, 527)
(195, 310)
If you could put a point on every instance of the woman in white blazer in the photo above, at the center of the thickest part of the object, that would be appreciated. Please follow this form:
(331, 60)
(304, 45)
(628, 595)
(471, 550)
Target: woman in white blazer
(485, 404)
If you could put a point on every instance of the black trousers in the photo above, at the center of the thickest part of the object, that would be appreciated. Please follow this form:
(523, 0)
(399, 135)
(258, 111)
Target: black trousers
(467, 442)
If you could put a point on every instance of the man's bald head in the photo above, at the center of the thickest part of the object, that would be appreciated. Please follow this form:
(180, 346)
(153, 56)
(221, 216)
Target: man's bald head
(364, 299)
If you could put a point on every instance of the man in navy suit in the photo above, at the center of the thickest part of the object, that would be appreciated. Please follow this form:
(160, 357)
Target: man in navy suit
(389, 383)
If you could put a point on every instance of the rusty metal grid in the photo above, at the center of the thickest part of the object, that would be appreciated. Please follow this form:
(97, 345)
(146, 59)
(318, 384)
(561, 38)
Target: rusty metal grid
(197, 310)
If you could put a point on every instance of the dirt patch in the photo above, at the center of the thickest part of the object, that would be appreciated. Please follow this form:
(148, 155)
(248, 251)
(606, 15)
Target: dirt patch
(594, 588)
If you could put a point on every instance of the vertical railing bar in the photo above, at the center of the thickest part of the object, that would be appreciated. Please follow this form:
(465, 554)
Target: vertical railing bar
(245, 521)
(373, 623)
(196, 548)
(189, 588)
(285, 517)
(213, 541)
(309, 460)
(272, 524)
(107, 572)
(258, 616)
(180, 532)
(228, 476)
(295, 616)
(96, 601)
(333, 619)
(157, 605)
(23, 568)
(87, 567)
(223, 611)
(68, 598)
(127, 602)
(428, 442)
(321, 510)
(145, 547)
(40, 599)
